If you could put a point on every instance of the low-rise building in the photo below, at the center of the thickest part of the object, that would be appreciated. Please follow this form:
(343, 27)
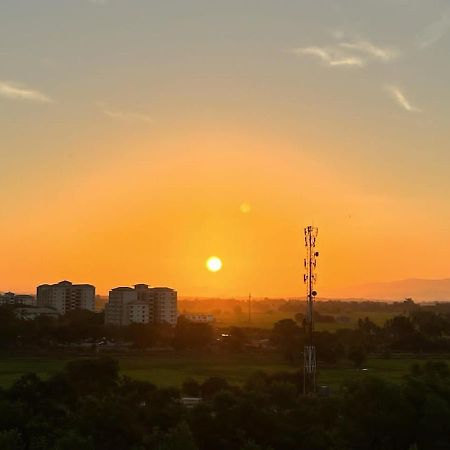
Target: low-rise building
(191, 402)
(32, 312)
(199, 318)
(9, 298)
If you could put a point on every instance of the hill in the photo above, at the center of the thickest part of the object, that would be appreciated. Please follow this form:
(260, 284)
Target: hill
(418, 289)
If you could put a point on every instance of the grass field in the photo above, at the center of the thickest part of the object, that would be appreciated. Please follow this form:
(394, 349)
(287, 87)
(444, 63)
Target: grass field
(389, 369)
(172, 370)
(167, 370)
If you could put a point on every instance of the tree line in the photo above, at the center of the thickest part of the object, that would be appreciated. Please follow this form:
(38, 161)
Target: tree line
(418, 332)
(90, 406)
(421, 331)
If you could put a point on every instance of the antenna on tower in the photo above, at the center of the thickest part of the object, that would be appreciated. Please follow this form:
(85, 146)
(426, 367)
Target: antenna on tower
(310, 278)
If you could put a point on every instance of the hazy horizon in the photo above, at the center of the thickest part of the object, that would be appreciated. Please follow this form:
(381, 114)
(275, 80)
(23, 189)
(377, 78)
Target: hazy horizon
(420, 290)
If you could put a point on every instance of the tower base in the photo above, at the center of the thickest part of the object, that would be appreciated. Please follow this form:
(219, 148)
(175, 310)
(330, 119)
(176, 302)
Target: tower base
(309, 370)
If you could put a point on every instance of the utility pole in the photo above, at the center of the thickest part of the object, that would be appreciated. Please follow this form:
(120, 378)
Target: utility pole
(249, 308)
(309, 278)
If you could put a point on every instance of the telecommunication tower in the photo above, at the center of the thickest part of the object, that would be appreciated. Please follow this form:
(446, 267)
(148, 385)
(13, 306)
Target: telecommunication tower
(309, 354)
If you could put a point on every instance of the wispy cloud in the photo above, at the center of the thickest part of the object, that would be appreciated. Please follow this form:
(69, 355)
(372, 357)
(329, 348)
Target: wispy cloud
(401, 99)
(125, 115)
(15, 91)
(371, 50)
(354, 53)
(330, 56)
(434, 32)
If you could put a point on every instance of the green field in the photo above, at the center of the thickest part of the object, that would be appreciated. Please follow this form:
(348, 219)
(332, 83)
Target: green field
(172, 369)
(167, 370)
(389, 369)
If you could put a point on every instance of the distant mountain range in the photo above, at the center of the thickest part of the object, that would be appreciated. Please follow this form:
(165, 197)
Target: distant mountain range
(417, 289)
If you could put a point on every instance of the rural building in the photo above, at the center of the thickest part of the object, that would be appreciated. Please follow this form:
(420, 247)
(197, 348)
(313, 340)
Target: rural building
(199, 318)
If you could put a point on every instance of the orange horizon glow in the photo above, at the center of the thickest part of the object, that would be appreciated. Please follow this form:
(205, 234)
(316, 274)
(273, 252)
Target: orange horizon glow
(148, 216)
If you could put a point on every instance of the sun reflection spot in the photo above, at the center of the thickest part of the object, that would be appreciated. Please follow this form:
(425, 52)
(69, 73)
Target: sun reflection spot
(245, 208)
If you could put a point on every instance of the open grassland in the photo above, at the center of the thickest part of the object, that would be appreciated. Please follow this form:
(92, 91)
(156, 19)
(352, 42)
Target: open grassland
(173, 369)
(163, 370)
(392, 369)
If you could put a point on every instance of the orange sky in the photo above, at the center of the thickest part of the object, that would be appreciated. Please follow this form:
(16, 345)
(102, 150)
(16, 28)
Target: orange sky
(132, 132)
(147, 215)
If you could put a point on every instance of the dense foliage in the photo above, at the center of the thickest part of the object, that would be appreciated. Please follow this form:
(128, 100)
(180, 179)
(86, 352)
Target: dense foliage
(417, 332)
(86, 330)
(89, 406)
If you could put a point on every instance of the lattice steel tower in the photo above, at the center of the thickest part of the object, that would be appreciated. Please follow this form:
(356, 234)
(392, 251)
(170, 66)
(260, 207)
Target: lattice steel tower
(309, 381)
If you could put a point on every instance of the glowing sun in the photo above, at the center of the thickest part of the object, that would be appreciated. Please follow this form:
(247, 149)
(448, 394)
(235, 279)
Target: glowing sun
(214, 264)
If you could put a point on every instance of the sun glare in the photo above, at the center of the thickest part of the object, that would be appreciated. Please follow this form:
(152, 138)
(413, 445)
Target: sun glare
(214, 264)
(245, 208)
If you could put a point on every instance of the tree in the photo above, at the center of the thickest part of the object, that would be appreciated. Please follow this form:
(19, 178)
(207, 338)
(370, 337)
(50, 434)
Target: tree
(376, 415)
(237, 310)
(400, 327)
(236, 339)
(357, 355)
(9, 327)
(142, 335)
(299, 317)
(11, 440)
(367, 327)
(430, 323)
(286, 335)
(92, 376)
(434, 421)
(284, 394)
(192, 335)
(176, 438)
(213, 385)
(251, 445)
(72, 440)
(329, 349)
(191, 387)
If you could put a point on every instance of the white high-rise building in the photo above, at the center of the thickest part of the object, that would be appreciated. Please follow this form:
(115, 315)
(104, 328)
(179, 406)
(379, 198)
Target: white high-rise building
(141, 304)
(65, 296)
(116, 310)
(165, 305)
(138, 312)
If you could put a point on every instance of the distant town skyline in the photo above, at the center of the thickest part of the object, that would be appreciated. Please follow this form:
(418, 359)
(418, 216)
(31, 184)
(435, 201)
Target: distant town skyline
(140, 139)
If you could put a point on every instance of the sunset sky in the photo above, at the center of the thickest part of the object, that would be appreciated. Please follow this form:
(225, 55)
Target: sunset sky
(138, 138)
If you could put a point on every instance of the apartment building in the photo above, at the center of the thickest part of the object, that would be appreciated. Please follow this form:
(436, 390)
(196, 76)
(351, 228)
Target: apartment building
(139, 312)
(65, 296)
(165, 305)
(141, 304)
(116, 310)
